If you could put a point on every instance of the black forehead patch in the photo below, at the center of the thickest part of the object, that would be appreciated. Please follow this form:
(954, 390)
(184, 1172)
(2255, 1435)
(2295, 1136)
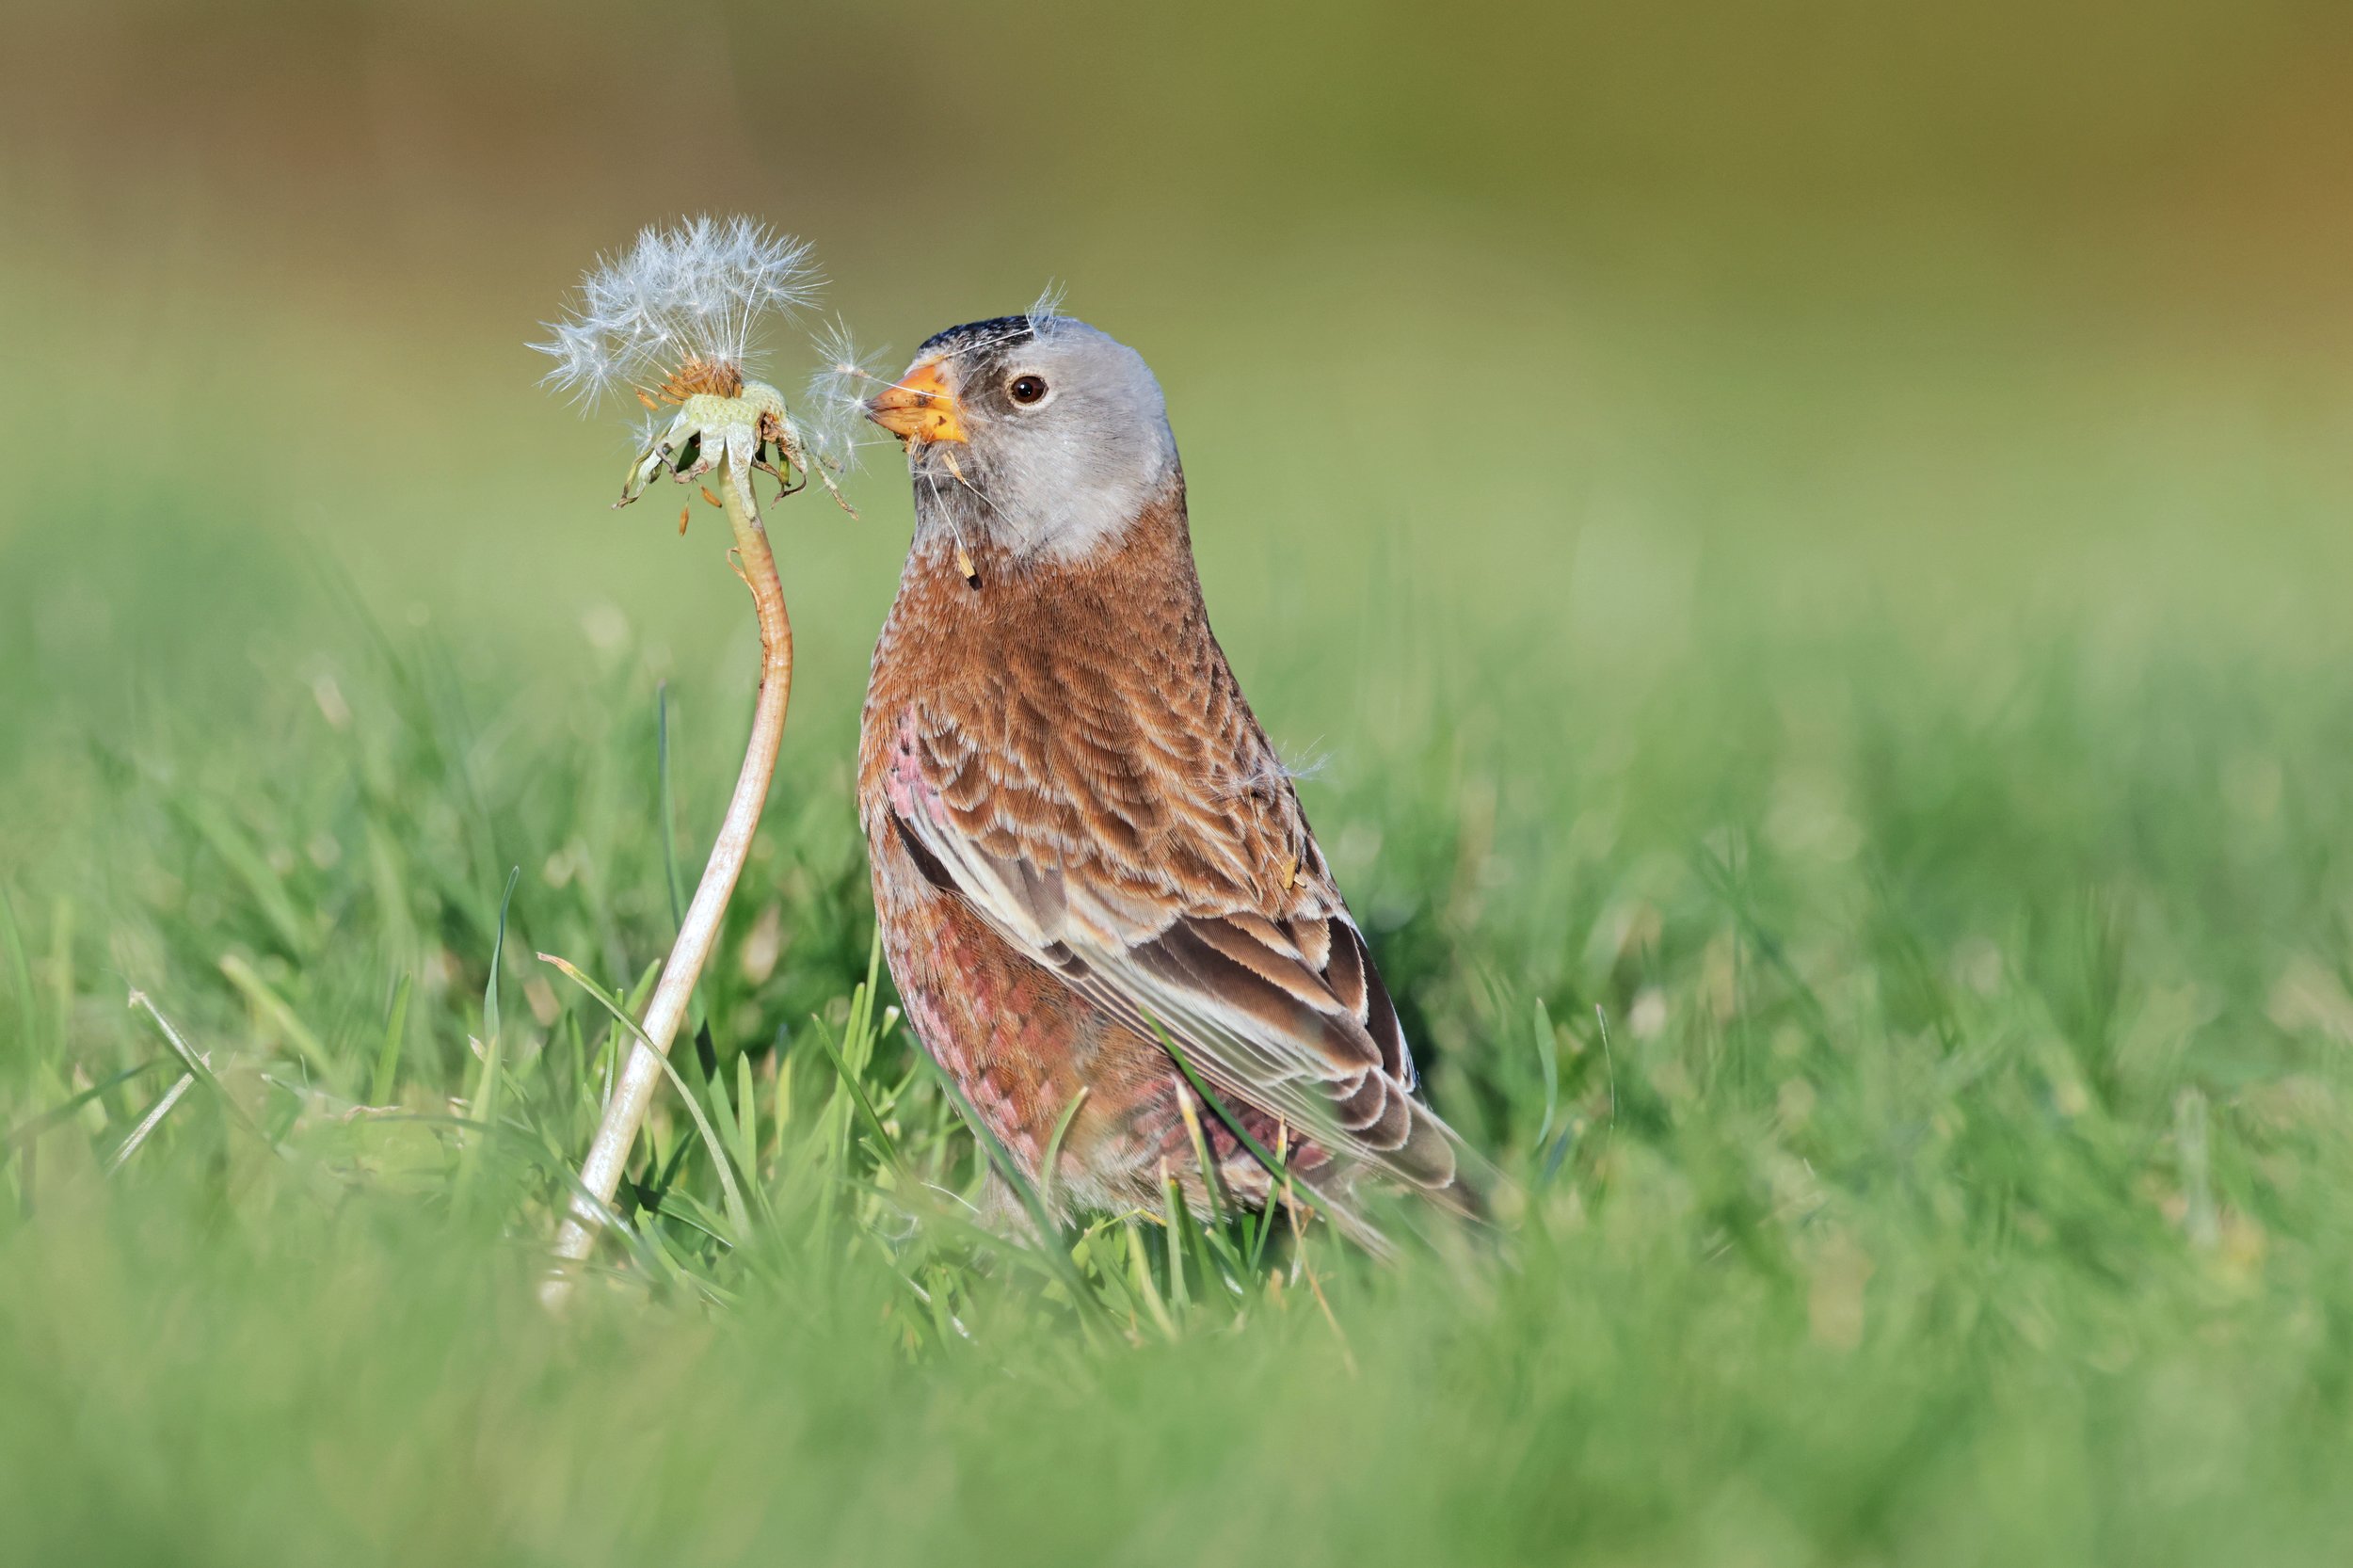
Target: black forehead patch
(975, 335)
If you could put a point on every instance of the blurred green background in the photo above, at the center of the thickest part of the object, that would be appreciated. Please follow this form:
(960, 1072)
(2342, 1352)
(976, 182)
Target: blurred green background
(1994, 301)
(1813, 533)
(1527, 361)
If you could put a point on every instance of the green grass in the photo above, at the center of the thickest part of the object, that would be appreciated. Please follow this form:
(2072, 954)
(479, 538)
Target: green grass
(1871, 862)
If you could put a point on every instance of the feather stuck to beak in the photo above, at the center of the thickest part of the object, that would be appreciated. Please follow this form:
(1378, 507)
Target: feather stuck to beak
(917, 407)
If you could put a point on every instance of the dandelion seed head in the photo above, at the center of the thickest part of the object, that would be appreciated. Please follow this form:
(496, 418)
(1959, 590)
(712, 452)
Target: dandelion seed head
(695, 292)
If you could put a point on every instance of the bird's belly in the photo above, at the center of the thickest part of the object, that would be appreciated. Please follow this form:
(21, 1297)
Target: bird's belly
(1006, 1043)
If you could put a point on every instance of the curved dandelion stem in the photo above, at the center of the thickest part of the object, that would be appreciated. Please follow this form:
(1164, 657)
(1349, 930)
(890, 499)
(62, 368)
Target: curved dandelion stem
(625, 1112)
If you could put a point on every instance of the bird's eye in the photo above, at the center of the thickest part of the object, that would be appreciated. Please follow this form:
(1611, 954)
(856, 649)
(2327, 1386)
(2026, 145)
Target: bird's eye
(1027, 389)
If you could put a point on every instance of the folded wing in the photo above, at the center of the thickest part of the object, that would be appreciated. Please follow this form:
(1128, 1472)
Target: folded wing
(1182, 890)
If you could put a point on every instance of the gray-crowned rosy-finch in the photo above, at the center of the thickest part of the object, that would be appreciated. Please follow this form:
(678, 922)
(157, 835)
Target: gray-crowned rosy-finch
(1078, 830)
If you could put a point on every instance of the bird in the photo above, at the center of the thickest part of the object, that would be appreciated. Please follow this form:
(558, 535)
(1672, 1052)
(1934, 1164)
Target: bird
(1088, 860)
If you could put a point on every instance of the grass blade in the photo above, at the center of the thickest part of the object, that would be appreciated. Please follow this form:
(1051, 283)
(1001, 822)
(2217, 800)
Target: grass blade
(1274, 1168)
(1053, 1146)
(251, 868)
(28, 1007)
(153, 1120)
(859, 1101)
(266, 1001)
(1548, 1063)
(33, 1127)
(388, 1055)
(1174, 1217)
(489, 1085)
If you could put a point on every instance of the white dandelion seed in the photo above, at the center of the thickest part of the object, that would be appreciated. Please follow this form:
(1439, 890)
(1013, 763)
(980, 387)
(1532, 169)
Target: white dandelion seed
(844, 376)
(1047, 305)
(1275, 771)
(693, 295)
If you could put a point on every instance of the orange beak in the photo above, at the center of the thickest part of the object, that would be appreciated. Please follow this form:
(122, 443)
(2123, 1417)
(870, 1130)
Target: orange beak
(918, 406)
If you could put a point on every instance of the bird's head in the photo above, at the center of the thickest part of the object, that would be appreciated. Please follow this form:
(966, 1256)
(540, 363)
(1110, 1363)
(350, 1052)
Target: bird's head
(1038, 431)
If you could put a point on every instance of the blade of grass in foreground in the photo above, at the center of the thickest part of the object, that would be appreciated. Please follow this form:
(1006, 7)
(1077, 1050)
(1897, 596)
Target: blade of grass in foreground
(21, 967)
(153, 1120)
(1053, 1146)
(268, 1003)
(884, 1144)
(201, 1070)
(388, 1056)
(489, 1084)
(34, 1126)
